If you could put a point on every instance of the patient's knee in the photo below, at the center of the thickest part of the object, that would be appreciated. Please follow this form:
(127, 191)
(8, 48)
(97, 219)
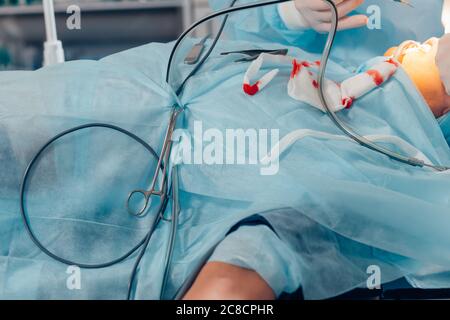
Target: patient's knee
(222, 281)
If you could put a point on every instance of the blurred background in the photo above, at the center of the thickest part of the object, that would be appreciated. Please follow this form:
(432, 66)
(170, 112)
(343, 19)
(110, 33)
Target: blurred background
(107, 26)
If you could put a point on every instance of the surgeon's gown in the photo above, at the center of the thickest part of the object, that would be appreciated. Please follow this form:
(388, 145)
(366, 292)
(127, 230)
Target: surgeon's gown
(337, 207)
(398, 22)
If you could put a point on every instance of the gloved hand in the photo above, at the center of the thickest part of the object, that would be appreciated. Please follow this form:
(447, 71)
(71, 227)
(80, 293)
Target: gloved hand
(443, 61)
(317, 14)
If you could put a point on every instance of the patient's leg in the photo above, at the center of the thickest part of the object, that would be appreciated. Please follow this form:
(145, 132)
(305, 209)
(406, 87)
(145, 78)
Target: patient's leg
(223, 281)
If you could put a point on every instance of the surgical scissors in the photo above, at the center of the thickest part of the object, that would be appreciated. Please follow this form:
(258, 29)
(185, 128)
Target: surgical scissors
(146, 195)
(254, 54)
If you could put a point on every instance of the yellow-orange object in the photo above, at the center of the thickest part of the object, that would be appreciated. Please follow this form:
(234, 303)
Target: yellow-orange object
(418, 60)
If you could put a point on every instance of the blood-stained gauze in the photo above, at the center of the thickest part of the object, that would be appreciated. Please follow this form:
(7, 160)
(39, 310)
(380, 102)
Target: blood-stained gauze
(303, 83)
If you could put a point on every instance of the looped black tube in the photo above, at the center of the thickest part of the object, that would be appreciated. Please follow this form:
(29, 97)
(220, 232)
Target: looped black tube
(142, 244)
(26, 178)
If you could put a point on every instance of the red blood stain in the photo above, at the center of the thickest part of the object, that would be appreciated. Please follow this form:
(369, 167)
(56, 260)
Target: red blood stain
(317, 62)
(296, 67)
(306, 64)
(376, 76)
(251, 89)
(315, 84)
(392, 61)
(348, 102)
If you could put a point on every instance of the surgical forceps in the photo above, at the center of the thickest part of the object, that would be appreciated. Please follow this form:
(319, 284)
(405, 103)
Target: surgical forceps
(163, 161)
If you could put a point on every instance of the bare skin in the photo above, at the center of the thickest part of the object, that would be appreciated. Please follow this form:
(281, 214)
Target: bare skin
(419, 62)
(223, 281)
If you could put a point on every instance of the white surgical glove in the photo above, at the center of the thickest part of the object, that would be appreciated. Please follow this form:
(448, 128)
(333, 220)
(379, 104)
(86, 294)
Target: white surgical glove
(316, 14)
(443, 61)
